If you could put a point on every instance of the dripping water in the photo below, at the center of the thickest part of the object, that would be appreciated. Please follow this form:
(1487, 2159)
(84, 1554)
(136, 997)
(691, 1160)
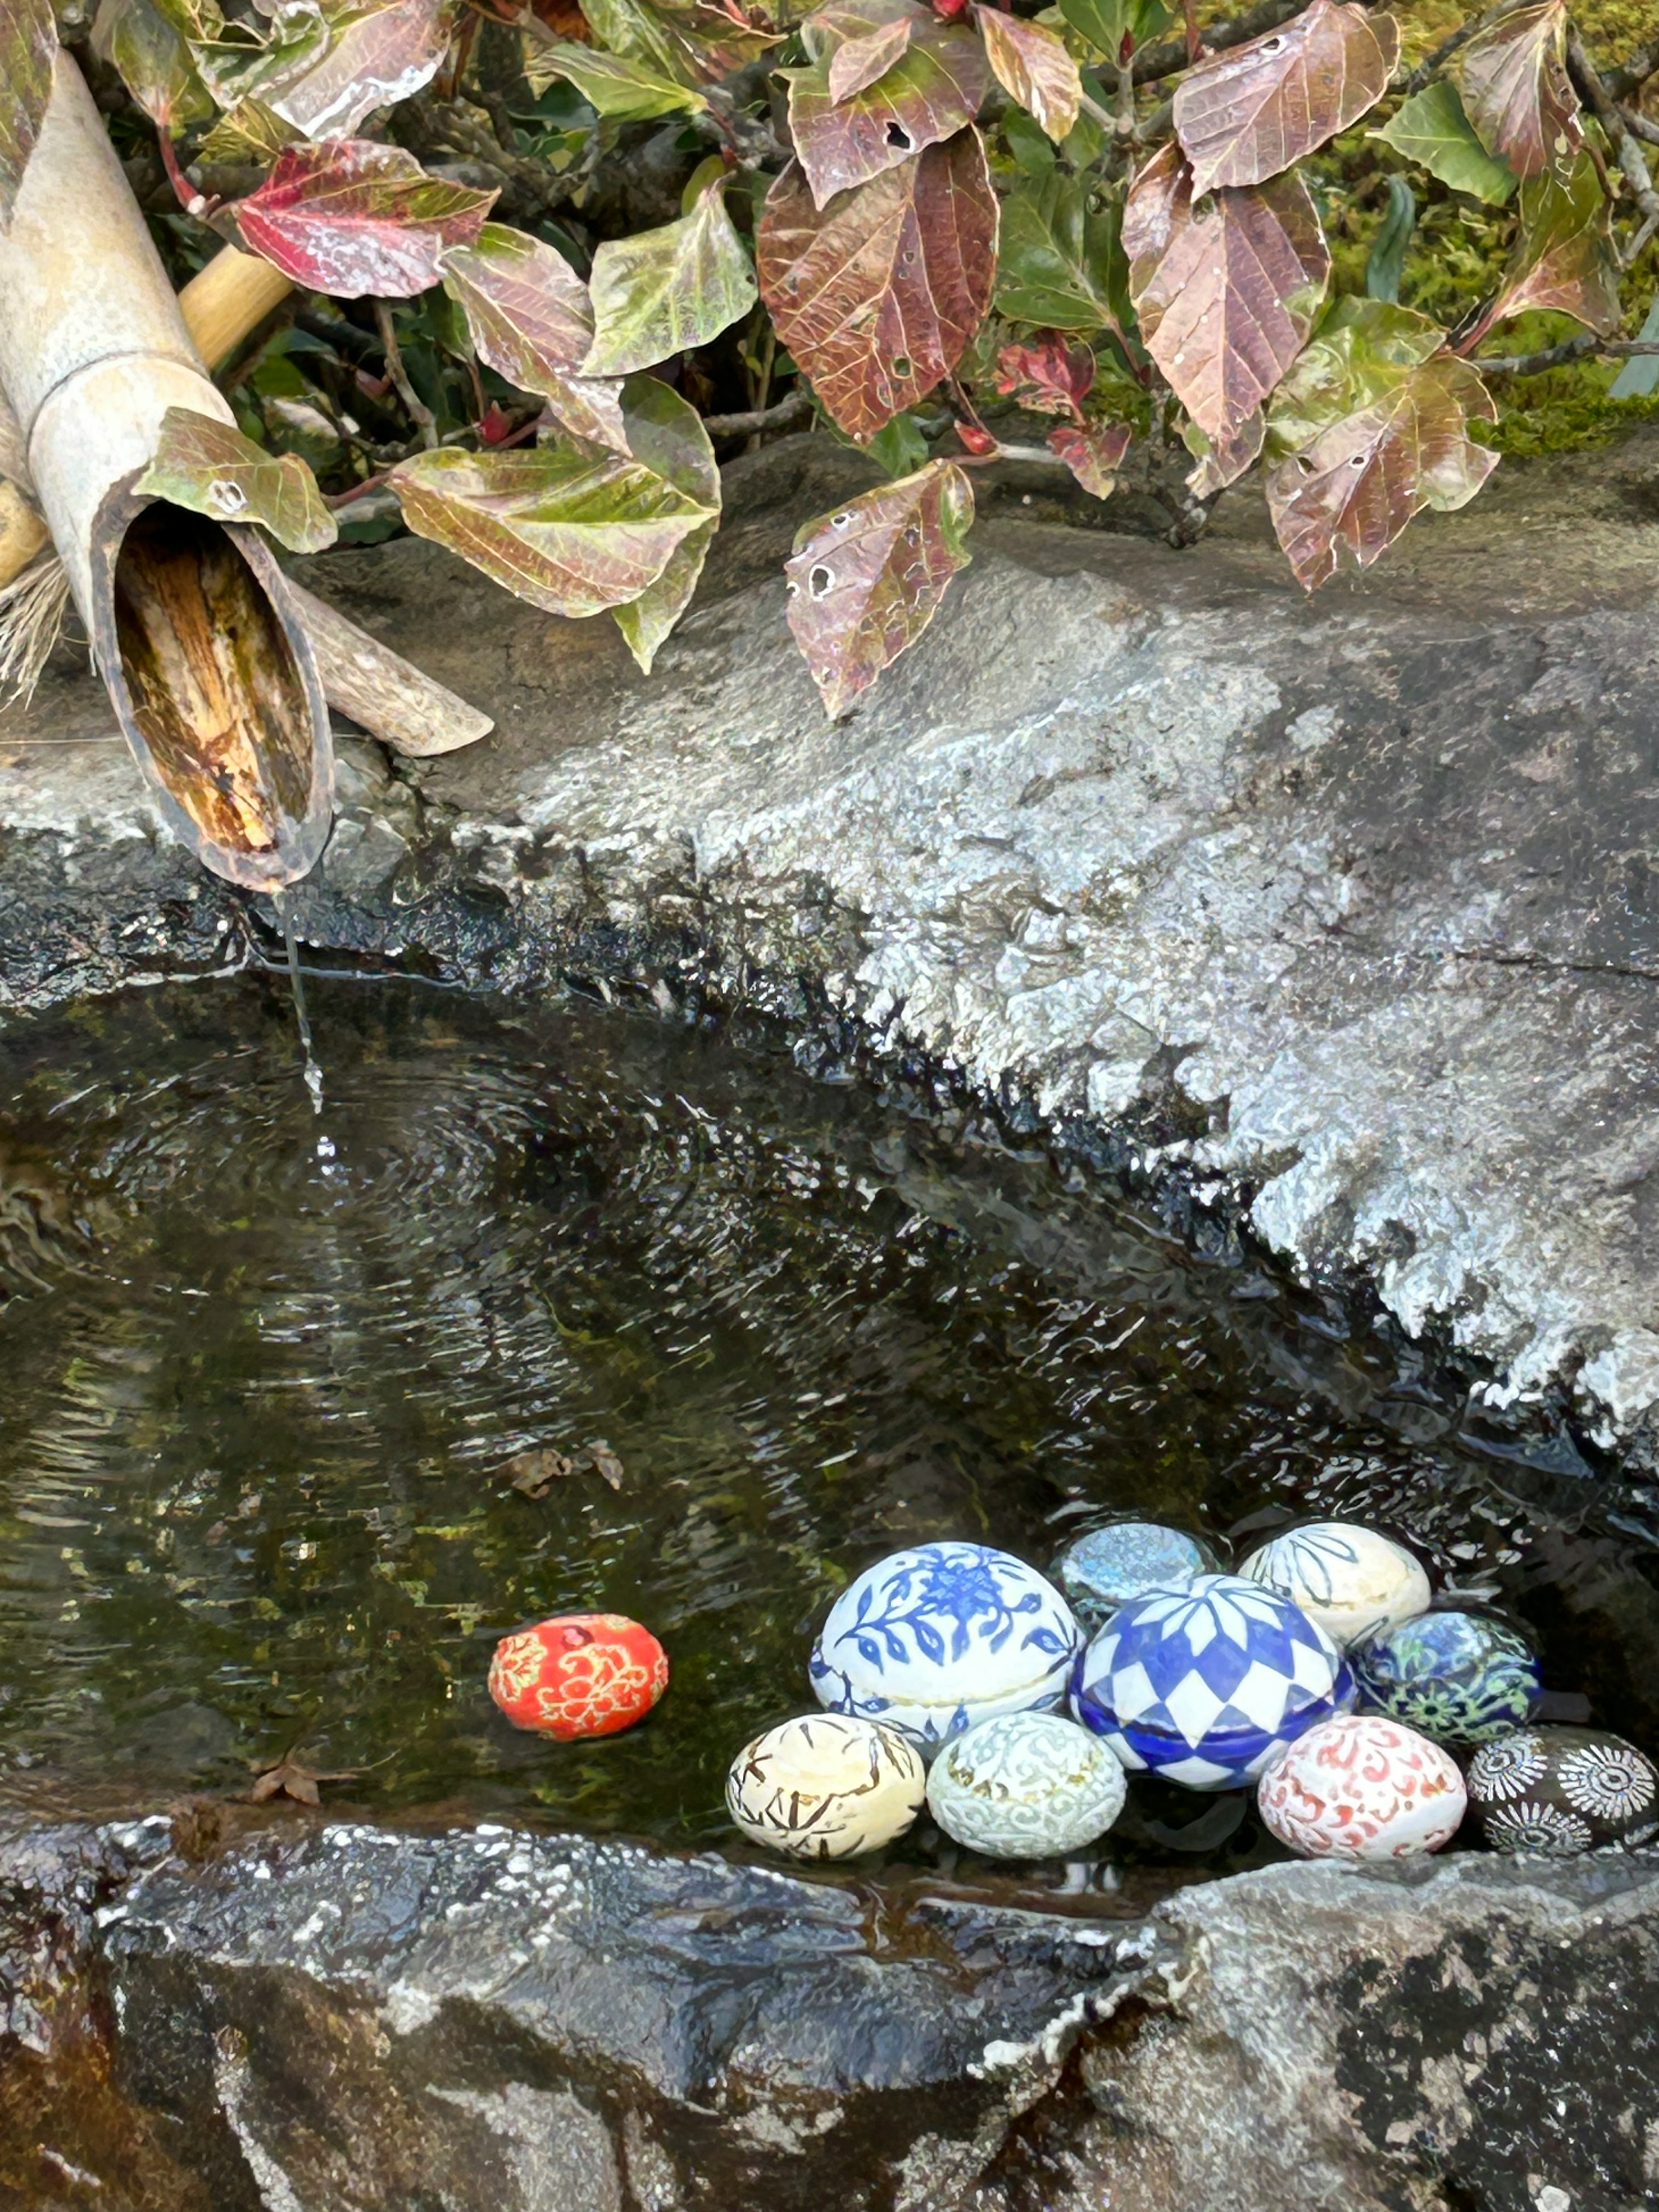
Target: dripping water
(313, 1073)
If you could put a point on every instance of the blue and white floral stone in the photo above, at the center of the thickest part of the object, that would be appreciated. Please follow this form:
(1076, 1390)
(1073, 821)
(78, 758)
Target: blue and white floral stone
(1109, 1566)
(937, 1637)
(1454, 1677)
(1353, 1581)
(1026, 1786)
(1202, 1683)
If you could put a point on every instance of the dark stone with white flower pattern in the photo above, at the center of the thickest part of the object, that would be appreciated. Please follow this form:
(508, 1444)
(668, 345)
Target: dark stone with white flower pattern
(1454, 1677)
(1559, 1791)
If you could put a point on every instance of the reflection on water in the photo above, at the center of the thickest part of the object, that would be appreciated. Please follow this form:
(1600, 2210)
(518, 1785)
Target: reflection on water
(265, 1374)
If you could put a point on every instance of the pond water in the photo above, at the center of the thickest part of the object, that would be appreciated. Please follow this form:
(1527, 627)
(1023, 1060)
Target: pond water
(266, 1375)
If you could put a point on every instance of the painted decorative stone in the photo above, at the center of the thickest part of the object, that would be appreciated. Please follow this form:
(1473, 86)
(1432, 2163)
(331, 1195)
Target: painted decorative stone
(826, 1786)
(1026, 1786)
(1455, 1677)
(935, 1638)
(580, 1674)
(1353, 1581)
(1562, 1790)
(1109, 1566)
(1359, 1786)
(1204, 1682)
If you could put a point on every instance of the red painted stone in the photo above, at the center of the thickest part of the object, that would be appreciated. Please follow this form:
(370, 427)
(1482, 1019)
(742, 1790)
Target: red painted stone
(580, 1674)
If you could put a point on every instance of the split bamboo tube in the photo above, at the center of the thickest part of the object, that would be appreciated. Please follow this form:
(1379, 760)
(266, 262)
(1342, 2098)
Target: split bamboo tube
(212, 681)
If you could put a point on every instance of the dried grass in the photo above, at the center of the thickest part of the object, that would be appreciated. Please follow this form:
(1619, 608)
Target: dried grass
(32, 610)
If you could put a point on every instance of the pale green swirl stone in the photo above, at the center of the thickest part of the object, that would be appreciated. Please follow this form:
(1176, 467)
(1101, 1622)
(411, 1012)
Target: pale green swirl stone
(1026, 1786)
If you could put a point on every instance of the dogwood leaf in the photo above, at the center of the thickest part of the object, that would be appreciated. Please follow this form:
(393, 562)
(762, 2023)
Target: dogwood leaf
(666, 291)
(865, 581)
(1563, 255)
(876, 295)
(857, 62)
(569, 526)
(927, 95)
(530, 319)
(1093, 451)
(378, 53)
(1513, 77)
(1432, 130)
(29, 52)
(666, 435)
(1247, 114)
(250, 132)
(154, 64)
(1227, 292)
(1061, 263)
(209, 467)
(612, 84)
(1034, 68)
(349, 216)
(1117, 27)
(1218, 465)
(1046, 374)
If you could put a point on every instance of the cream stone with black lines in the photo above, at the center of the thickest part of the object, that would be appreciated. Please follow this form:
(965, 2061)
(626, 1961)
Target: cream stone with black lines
(826, 1786)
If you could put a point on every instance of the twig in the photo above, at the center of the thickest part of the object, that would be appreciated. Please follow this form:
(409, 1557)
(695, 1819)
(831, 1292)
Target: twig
(1442, 53)
(1638, 125)
(1557, 357)
(190, 197)
(1642, 65)
(796, 407)
(419, 411)
(1629, 155)
(1154, 62)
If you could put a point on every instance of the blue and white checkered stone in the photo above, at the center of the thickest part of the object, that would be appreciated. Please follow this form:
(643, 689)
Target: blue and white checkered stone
(938, 1638)
(1201, 1682)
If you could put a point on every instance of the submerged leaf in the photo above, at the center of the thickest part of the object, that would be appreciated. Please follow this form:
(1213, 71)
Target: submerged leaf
(349, 216)
(28, 50)
(1093, 451)
(530, 319)
(1246, 115)
(1061, 263)
(209, 467)
(613, 85)
(1034, 68)
(569, 526)
(154, 64)
(666, 291)
(877, 296)
(1373, 427)
(1226, 293)
(927, 95)
(1564, 256)
(292, 1777)
(1513, 77)
(1432, 130)
(378, 52)
(865, 581)
(666, 435)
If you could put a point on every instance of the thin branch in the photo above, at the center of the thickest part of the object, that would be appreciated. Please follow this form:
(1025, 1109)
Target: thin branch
(1629, 155)
(420, 413)
(1152, 63)
(1460, 37)
(1557, 357)
(1638, 124)
(1642, 65)
(794, 407)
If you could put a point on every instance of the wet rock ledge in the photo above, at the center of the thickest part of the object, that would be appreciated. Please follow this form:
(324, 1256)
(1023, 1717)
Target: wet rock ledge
(337, 2016)
(1347, 906)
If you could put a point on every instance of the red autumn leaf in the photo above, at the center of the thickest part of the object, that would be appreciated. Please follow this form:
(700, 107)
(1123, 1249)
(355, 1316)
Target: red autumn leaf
(349, 216)
(1248, 114)
(1046, 374)
(1034, 68)
(976, 440)
(865, 581)
(933, 90)
(376, 56)
(28, 52)
(857, 63)
(1226, 293)
(1563, 255)
(530, 319)
(877, 296)
(1093, 451)
(1513, 77)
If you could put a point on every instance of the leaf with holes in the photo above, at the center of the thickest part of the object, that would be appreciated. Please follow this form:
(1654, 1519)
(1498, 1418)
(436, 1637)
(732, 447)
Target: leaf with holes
(1034, 68)
(927, 95)
(1432, 130)
(1093, 451)
(615, 85)
(865, 581)
(1046, 374)
(666, 435)
(154, 64)
(1513, 77)
(666, 291)
(1564, 256)
(530, 319)
(378, 54)
(1247, 115)
(569, 526)
(877, 296)
(209, 467)
(349, 217)
(1060, 264)
(1226, 293)
(28, 50)
(1370, 427)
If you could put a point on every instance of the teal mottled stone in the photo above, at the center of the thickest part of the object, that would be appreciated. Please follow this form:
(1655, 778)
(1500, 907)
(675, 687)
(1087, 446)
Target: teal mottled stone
(1109, 1566)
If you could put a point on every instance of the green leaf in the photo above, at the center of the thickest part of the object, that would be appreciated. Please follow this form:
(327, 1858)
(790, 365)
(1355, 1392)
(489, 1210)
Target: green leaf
(901, 448)
(569, 526)
(209, 467)
(251, 132)
(1060, 264)
(666, 435)
(193, 19)
(1107, 23)
(865, 581)
(1386, 262)
(154, 64)
(29, 52)
(1029, 142)
(1359, 353)
(243, 64)
(530, 319)
(669, 290)
(612, 85)
(1564, 256)
(1432, 130)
